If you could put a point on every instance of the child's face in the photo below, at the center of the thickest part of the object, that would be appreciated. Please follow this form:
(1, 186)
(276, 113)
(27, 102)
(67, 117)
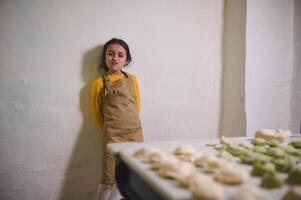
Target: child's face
(116, 58)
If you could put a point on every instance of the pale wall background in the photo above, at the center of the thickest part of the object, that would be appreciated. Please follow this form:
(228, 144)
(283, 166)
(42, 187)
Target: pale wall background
(271, 74)
(49, 51)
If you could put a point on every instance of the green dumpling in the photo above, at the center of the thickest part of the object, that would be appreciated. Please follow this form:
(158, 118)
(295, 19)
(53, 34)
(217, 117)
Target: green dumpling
(259, 169)
(252, 158)
(273, 143)
(296, 144)
(260, 149)
(259, 141)
(294, 177)
(272, 179)
(225, 154)
(236, 150)
(291, 150)
(275, 152)
(246, 145)
(284, 164)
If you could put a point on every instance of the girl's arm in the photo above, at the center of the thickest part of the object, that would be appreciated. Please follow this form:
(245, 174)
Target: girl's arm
(136, 90)
(96, 89)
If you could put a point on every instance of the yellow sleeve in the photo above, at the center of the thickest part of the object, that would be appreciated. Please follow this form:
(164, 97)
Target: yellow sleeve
(136, 90)
(96, 90)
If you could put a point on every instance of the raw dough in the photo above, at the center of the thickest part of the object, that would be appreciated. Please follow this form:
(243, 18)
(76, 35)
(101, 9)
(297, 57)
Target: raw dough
(231, 176)
(176, 169)
(144, 152)
(184, 149)
(190, 157)
(203, 187)
(269, 134)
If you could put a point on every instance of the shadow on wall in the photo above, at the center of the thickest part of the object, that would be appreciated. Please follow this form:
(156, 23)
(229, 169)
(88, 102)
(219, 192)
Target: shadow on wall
(83, 171)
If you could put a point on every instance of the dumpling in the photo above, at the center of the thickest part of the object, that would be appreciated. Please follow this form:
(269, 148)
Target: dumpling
(231, 176)
(203, 160)
(190, 157)
(270, 134)
(176, 170)
(216, 164)
(259, 169)
(296, 144)
(203, 187)
(184, 149)
(156, 157)
(144, 152)
(159, 163)
(294, 177)
(272, 180)
(224, 140)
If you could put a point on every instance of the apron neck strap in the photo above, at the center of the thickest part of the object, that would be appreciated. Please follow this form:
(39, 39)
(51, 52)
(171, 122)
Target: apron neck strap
(125, 74)
(106, 82)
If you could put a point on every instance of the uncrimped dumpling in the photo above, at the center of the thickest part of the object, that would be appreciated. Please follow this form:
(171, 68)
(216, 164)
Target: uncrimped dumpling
(156, 157)
(296, 144)
(203, 187)
(190, 157)
(224, 140)
(270, 134)
(144, 152)
(294, 177)
(211, 163)
(158, 164)
(176, 169)
(184, 149)
(272, 179)
(259, 169)
(231, 175)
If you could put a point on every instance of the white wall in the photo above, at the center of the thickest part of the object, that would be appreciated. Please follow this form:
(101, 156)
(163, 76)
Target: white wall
(269, 64)
(49, 50)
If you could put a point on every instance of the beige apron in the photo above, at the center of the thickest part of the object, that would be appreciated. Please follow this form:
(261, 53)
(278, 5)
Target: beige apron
(121, 120)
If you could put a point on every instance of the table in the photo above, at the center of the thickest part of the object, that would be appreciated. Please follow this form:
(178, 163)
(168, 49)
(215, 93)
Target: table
(138, 182)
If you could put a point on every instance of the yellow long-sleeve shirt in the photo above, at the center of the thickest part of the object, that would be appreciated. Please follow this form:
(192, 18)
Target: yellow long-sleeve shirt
(96, 90)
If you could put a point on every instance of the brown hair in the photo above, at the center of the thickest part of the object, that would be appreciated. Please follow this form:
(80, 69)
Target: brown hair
(114, 41)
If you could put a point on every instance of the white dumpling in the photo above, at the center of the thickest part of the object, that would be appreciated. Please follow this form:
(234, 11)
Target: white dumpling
(156, 157)
(203, 160)
(231, 175)
(203, 187)
(282, 135)
(184, 149)
(176, 170)
(216, 164)
(224, 140)
(161, 163)
(190, 157)
(144, 152)
(270, 134)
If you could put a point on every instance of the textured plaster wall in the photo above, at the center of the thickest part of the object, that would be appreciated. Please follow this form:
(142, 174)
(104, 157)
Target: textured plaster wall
(49, 51)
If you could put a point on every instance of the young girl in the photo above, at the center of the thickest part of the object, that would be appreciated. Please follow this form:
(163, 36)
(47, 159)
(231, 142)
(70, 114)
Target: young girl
(115, 106)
